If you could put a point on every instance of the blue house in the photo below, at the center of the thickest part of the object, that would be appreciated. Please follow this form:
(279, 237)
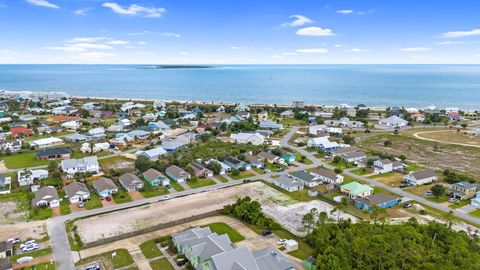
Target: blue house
(172, 146)
(381, 200)
(287, 156)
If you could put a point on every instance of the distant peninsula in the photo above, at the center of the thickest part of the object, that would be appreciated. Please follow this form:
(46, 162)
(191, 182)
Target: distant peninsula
(178, 67)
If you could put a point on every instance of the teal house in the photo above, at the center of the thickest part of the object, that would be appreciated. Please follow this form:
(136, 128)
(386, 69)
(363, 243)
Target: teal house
(155, 178)
(287, 156)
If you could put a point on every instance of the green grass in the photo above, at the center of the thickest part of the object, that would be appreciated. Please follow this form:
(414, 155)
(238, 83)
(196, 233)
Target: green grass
(257, 170)
(34, 254)
(459, 204)
(161, 264)
(122, 258)
(122, 196)
(222, 228)
(200, 182)
(148, 191)
(301, 195)
(221, 179)
(37, 213)
(475, 213)
(362, 171)
(42, 266)
(94, 202)
(242, 175)
(342, 165)
(440, 199)
(65, 207)
(23, 160)
(176, 186)
(319, 156)
(150, 249)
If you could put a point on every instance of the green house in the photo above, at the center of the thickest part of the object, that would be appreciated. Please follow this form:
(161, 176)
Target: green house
(355, 190)
(287, 156)
(310, 263)
(155, 178)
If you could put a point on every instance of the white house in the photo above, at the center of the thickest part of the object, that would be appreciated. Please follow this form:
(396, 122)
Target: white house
(71, 125)
(82, 165)
(393, 121)
(28, 177)
(97, 132)
(269, 124)
(382, 166)
(46, 142)
(46, 197)
(77, 192)
(314, 130)
(152, 154)
(288, 183)
(327, 176)
(248, 138)
(421, 177)
(323, 143)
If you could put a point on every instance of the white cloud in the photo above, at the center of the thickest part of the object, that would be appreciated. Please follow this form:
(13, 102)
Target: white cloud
(339, 46)
(42, 3)
(184, 53)
(135, 10)
(315, 31)
(450, 42)
(142, 43)
(66, 48)
(312, 50)
(416, 49)
(81, 11)
(118, 42)
(458, 34)
(86, 39)
(289, 53)
(298, 20)
(345, 11)
(356, 50)
(167, 34)
(96, 46)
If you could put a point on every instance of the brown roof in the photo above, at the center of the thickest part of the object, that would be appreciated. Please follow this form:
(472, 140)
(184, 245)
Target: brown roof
(175, 170)
(427, 173)
(104, 183)
(128, 178)
(4, 246)
(75, 187)
(344, 150)
(325, 173)
(252, 158)
(266, 155)
(152, 174)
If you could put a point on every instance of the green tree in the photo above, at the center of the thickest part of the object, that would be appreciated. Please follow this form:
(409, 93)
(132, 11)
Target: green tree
(438, 190)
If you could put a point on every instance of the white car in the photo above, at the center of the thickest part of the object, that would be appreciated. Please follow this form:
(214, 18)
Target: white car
(30, 242)
(30, 248)
(452, 200)
(14, 240)
(281, 241)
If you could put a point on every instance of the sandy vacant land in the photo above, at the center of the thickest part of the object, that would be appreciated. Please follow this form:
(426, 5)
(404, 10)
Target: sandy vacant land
(448, 136)
(13, 223)
(432, 154)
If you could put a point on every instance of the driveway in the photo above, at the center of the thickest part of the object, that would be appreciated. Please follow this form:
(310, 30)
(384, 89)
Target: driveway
(135, 195)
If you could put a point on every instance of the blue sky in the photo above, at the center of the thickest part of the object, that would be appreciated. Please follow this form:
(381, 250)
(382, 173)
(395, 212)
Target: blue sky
(240, 32)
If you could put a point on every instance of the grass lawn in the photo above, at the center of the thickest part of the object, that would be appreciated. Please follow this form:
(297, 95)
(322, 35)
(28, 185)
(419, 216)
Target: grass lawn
(200, 182)
(412, 167)
(222, 228)
(122, 196)
(176, 186)
(391, 178)
(242, 175)
(221, 178)
(161, 264)
(301, 195)
(149, 191)
(94, 202)
(475, 213)
(37, 213)
(420, 190)
(112, 160)
(23, 160)
(65, 207)
(319, 155)
(342, 165)
(34, 254)
(459, 204)
(122, 258)
(42, 266)
(290, 121)
(150, 249)
(362, 171)
(257, 170)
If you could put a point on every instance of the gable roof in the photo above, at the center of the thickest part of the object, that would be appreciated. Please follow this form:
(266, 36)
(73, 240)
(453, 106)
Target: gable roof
(128, 179)
(427, 173)
(75, 187)
(304, 176)
(325, 173)
(53, 151)
(152, 174)
(356, 188)
(376, 199)
(104, 183)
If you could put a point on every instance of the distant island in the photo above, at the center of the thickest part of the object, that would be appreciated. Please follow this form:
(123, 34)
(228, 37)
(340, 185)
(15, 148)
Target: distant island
(178, 67)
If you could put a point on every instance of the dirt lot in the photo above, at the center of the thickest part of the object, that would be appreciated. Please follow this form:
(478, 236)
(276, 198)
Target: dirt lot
(135, 195)
(13, 223)
(392, 179)
(448, 136)
(431, 154)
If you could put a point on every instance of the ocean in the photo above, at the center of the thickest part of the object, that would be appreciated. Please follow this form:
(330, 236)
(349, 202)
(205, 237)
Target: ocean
(373, 85)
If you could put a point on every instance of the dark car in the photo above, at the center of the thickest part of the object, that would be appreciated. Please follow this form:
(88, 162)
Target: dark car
(266, 232)
(108, 198)
(407, 205)
(246, 180)
(281, 170)
(168, 186)
(403, 185)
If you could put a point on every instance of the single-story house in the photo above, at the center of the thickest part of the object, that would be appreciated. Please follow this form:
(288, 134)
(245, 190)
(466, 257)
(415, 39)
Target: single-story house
(248, 138)
(77, 192)
(269, 124)
(76, 137)
(53, 153)
(306, 178)
(199, 170)
(152, 154)
(286, 155)
(224, 167)
(381, 200)
(393, 121)
(288, 183)
(172, 146)
(236, 163)
(130, 182)
(46, 196)
(421, 177)
(139, 134)
(323, 143)
(255, 161)
(177, 174)
(105, 187)
(155, 178)
(270, 158)
(327, 176)
(356, 190)
(46, 142)
(20, 132)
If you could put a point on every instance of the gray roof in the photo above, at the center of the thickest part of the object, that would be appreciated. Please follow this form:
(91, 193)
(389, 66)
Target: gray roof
(304, 176)
(269, 259)
(75, 187)
(151, 174)
(287, 181)
(236, 259)
(427, 173)
(467, 185)
(4, 246)
(103, 184)
(44, 192)
(325, 173)
(74, 163)
(202, 242)
(127, 179)
(176, 171)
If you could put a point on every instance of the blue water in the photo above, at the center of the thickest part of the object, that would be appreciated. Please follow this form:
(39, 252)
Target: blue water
(374, 85)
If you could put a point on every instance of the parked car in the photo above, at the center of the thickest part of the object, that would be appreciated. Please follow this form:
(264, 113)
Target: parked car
(246, 180)
(452, 200)
(80, 204)
(281, 241)
(108, 198)
(281, 170)
(266, 232)
(14, 240)
(407, 205)
(168, 186)
(403, 185)
(92, 267)
(29, 248)
(428, 194)
(28, 243)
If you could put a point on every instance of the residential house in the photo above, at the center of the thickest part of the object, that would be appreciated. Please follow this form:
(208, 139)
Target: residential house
(316, 129)
(20, 132)
(306, 178)
(12, 146)
(393, 121)
(286, 155)
(464, 190)
(27, 177)
(155, 178)
(355, 190)
(46, 196)
(422, 177)
(380, 200)
(236, 163)
(82, 165)
(77, 192)
(139, 134)
(158, 126)
(71, 125)
(97, 133)
(327, 176)
(354, 156)
(6, 249)
(382, 166)
(254, 161)
(152, 154)
(270, 158)
(243, 258)
(53, 153)
(475, 202)
(172, 146)
(224, 168)
(288, 183)
(269, 124)
(323, 143)
(262, 116)
(27, 117)
(243, 115)
(199, 170)
(105, 187)
(130, 182)
(287, 114)
(177, 174)
(46, 142)
(76, 137)
(248, 138)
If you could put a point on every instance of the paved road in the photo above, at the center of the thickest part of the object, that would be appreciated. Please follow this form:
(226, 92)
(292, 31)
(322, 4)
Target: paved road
(374, 183)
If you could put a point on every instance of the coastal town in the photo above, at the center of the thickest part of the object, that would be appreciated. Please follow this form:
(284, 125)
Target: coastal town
(92, 183)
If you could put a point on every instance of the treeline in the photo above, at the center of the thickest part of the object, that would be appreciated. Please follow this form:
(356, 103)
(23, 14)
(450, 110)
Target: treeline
(344, 245)
(251, 212)
(453, 177)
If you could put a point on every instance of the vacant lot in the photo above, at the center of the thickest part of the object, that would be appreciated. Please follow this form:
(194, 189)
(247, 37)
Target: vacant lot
(391, 179)
(432, 154)
(446, 135)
